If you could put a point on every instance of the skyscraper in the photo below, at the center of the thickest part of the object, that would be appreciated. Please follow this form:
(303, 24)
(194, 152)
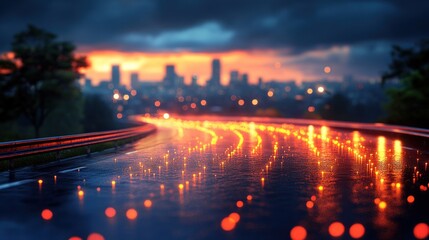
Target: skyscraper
(234, 78)
(116, 76)
(194, 81)
(135, 83)
(245, 79)
(170, 75)
(215, 79)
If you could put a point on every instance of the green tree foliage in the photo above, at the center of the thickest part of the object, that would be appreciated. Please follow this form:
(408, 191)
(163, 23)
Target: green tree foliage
(337, 107)
(98, 115)
(66, 118)
(409, 104)
(40, 77)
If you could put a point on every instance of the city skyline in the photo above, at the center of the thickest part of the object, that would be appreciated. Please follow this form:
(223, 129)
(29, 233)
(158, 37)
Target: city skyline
(224, 74)
(281, 40)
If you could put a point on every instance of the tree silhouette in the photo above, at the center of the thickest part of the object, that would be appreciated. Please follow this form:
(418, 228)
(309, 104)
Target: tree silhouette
(42, 73)
(409, 103)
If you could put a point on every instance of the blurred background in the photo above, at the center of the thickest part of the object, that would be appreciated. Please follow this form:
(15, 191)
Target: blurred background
(72, 67)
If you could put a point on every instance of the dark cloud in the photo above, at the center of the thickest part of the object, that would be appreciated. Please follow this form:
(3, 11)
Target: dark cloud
(293, 27)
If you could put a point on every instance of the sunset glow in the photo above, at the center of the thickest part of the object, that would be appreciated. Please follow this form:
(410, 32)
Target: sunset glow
(151, 66)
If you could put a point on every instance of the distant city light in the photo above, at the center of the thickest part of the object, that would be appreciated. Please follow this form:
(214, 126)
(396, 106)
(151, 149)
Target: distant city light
(255, 102)
(119, 115)
(270, 93)
(241, 102)
(299, 97)
(133, 92)
(203, 102)
(166, 116)
(157, 103)
(147, 203)
(310, 91)
(126, 97)
(327, 69)
(311, 109)
(181, 99)
(320, 89)
(193, 105)
(233, 98)
(116, 96)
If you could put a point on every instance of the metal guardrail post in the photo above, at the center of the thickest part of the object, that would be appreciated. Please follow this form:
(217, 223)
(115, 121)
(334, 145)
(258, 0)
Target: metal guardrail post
(58, 155)
(11, 165)
(88, 151)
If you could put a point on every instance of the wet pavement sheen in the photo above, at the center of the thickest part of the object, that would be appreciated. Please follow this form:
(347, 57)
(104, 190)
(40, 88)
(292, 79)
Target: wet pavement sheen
(197, 179)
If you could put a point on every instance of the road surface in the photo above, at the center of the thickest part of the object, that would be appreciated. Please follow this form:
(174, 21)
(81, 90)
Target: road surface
(207, 179)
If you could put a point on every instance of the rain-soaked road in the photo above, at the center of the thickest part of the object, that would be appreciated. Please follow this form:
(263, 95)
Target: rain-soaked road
(198, 179)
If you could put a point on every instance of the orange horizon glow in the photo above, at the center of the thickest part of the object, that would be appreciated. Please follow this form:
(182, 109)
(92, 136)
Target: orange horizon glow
(151, 66)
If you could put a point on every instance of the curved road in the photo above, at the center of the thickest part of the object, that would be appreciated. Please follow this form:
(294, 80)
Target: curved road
(234, 179)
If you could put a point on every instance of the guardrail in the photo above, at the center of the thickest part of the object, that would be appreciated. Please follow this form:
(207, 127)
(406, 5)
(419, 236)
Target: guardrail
(15, 149)
(370, 127)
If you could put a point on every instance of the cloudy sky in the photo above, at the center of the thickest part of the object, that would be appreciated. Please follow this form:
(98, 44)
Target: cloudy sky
(274, 39)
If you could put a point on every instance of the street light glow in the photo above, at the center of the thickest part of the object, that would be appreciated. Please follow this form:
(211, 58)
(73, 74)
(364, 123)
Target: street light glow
(327, 69)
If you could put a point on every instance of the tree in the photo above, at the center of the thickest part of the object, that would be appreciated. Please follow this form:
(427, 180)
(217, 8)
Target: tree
(41, 75)
(409, 103)
(98, 115)
(336, 107)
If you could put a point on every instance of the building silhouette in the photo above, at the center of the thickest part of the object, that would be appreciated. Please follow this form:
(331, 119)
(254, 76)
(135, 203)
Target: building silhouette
(194, 81)
(170, 75)
(215, 78)
(234, 78)
(116, 76)
(135, 82)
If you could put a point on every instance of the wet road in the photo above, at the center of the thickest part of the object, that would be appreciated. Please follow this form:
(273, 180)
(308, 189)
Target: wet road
(196, 179)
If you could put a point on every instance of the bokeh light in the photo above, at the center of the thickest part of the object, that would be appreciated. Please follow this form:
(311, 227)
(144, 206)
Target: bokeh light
(95, 236)
(309, 204)
(147, 203)
(421, 231)
(235, 216)
(298, 233)
(327, 69)
(357, 231)
(410, 199)
(110, 212)
(336, 229)
(47, 214)
(228, 224)
(131, 214)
